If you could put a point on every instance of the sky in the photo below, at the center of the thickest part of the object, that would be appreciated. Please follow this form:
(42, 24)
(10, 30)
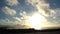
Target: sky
(16, 13)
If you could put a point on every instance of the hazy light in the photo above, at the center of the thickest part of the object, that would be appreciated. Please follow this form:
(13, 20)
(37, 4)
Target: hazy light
(36, 21)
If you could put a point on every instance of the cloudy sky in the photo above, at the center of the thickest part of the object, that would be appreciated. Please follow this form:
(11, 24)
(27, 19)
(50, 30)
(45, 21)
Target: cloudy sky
(19, 14)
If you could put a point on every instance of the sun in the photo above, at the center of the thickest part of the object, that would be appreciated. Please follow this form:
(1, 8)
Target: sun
(36, 20)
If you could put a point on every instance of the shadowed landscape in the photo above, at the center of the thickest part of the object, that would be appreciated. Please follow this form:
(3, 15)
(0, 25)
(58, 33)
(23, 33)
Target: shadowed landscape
(29, 31)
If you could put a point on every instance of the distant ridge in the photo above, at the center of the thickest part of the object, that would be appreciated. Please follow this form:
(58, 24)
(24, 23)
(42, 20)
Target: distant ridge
(26, 30)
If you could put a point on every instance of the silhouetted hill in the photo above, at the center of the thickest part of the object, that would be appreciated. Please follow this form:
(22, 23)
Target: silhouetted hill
(14, 31)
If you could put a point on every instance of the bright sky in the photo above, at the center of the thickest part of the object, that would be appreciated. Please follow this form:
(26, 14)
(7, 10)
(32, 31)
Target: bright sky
(21, 14)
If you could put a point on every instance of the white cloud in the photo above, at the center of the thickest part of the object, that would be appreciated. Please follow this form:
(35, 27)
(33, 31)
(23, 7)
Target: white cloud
(8, 10)
(42, 6)
(45, 23)
(23, 13)
(17, 19)
(6, 22)
(44, 9)
(12, 2)
(56, 17)
(13, 23)
(18, 23)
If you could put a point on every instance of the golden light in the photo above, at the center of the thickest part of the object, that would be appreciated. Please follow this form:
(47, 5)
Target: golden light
(36, 21)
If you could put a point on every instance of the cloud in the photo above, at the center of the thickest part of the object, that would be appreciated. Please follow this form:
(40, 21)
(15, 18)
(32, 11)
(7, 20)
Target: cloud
(23, 22)
(19, 23)
(56, 17)
(8, 10)
(24, 17)
(45, 23)
(42, 7)
(17, 19)
(12, 2)
(6, 22)
(13, 23)
(23, 13)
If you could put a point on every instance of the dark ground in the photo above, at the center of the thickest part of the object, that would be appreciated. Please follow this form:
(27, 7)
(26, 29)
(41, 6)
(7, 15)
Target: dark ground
(29, 31)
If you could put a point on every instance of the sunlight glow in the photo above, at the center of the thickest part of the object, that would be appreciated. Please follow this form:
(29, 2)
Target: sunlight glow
(36, 21)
